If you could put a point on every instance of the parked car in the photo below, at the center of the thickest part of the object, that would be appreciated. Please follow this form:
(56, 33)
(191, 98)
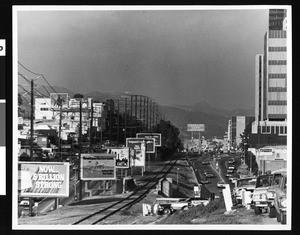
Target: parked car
(198, 201)
(247, 184)
(280, 200)
(259, 199)
(209, 175)
(165, 209)
(221, 184)
(231, 161)
(182, 204)
(231, 167)
(271, 192)
(205, 163)
(230, 171)
(204, 181)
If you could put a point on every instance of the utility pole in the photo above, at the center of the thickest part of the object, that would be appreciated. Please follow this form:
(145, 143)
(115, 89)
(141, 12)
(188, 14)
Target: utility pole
(31, 141)
(118, 121)
(80, 143)
(91, 127)
(59, 102)
(125, 120)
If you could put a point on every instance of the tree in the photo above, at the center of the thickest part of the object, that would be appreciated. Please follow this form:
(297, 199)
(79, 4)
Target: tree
(169, 137)
(78, 96)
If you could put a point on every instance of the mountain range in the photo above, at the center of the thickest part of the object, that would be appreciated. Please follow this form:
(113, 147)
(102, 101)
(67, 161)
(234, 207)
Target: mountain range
(215, 119)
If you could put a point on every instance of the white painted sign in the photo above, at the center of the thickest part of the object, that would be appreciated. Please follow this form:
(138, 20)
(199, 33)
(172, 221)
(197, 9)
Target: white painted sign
(195, 127)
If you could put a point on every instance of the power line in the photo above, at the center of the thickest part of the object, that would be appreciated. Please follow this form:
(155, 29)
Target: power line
(38, 74)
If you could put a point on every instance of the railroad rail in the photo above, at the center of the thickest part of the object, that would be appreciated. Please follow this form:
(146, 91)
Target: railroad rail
(136, 196)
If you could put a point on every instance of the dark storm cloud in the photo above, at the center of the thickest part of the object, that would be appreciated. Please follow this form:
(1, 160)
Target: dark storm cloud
(175, 57)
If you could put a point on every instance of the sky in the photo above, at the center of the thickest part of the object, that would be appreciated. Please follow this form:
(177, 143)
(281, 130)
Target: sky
(176, 57)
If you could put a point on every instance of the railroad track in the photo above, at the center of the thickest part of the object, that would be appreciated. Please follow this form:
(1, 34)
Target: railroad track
(136, 196)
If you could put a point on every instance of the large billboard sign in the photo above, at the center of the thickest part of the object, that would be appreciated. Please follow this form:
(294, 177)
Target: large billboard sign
(40, 179)
(137, 151)
(98, 166)
(195, 127)
(122, 156)
(156, 136)
(55, 100)
(150, 143)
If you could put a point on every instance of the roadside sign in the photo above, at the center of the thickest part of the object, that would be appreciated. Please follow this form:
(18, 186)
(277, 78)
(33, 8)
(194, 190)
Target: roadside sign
(40, 179)
(98, 166)
(122, 156)
(195, 127)
(156, 136)
(150, 143)
(137, 151)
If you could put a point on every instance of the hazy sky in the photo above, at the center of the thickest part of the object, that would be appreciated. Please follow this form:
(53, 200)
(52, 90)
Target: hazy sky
(175, 57)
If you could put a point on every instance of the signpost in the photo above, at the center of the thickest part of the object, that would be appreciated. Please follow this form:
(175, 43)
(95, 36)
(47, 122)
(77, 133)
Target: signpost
(198, 128)
(98, 166)
(156, 136)
(138, 145)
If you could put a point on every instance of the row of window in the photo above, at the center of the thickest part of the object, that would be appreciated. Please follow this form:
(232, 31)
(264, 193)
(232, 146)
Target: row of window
(44, 109)
(277, 102)
(271, 49)
(277, 89)
(277, 62)
(277, 75)
(274, 129)
(277, 34)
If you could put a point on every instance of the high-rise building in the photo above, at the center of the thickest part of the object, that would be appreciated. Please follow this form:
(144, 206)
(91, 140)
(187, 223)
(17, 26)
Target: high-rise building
(237, 126)
(271, 82)
(275, 68)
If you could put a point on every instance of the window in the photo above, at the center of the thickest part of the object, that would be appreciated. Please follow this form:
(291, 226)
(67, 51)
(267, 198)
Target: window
(281, 130)
(277, 75)
(44, 109)
(271, 49)
(44, 117)
(272, 129)
(277, 62)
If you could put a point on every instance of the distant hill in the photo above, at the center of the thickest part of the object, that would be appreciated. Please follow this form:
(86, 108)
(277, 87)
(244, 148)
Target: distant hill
(215, 120)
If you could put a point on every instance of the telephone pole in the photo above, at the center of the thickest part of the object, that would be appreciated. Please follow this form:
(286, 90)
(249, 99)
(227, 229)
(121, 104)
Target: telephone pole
(31, 140)
(80, 143)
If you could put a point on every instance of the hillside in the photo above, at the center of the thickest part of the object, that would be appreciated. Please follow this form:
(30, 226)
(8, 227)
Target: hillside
(215, 120)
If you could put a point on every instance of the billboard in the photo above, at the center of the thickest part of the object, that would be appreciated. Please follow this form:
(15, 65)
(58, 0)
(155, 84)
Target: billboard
(64, 99)
(156, 136)
(195, 127)
(137, 151)
(98, 166)
(122, 156)
(150, 143)
(41, 179)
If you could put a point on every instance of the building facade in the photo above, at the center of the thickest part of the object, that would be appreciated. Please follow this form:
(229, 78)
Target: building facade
(271, 84)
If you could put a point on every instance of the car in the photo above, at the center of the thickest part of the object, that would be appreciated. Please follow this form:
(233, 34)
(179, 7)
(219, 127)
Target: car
(165, 209)
(209, 175)
(204, 181)
(271, 192)
(205, 163)
(231, 168)
(198, 201)
(221, 184)
(181, 204)
(228, 174)
(259, 196)
(231, 161)
(280, 200)
(247, 184)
